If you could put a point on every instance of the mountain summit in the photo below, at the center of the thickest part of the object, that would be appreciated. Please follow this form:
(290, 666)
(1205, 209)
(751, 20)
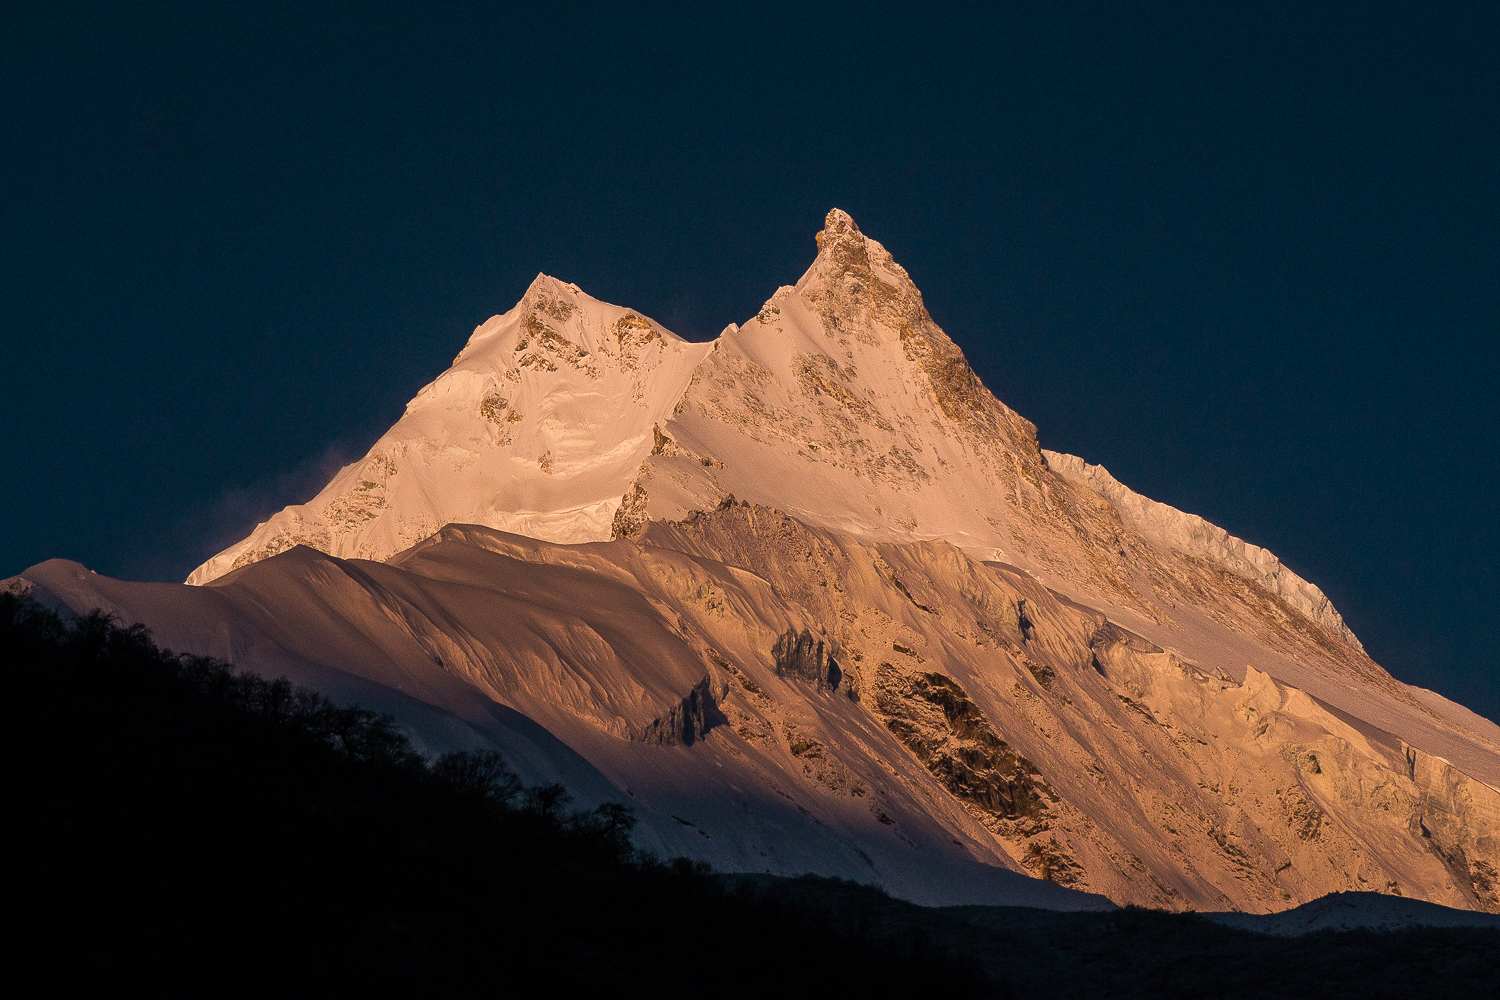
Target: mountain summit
(841, 402)
(810, 598)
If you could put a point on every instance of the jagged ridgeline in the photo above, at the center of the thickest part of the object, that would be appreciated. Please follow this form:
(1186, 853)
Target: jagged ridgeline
(808, 597)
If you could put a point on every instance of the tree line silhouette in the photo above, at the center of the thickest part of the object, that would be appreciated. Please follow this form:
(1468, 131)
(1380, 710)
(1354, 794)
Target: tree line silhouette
(183, 828)
(179, 828)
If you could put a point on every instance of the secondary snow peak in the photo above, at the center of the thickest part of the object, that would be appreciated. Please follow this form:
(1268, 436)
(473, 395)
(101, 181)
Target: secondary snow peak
(537, 428)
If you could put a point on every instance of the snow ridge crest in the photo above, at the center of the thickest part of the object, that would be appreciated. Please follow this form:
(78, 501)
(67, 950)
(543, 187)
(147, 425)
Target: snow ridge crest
(842, 402)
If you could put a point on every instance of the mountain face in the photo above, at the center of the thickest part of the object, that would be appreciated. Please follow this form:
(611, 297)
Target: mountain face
(810, 598)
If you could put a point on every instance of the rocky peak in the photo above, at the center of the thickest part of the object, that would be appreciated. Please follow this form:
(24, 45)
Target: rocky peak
(550, 295)
(550, 309)
(859, 276)
(840, 233)
(859, 291)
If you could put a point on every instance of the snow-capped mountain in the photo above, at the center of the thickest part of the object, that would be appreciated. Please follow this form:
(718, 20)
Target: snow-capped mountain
(537, 428)
(812, 599)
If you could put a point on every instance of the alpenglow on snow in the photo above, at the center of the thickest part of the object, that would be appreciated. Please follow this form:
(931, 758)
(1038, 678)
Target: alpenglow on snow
(808, 597)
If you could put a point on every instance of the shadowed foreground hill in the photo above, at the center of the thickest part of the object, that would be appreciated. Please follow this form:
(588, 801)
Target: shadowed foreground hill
(184, 829)
(1135, 952)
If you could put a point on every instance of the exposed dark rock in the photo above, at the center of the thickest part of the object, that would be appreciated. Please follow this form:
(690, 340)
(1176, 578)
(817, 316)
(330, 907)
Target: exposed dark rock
(1043, 673)
(802, 746)
(1047, 860)
(688, 721)
(630, 517)
(493, 407)
(1023, 622)
(1150, 716)
(907, 594)
(664, 445)
(953, 739)
(1474, 877)
(1108, 636)
(807, 658)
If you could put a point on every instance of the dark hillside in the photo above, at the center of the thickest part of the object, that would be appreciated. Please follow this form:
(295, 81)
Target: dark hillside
(1143, 953)
(179, 829)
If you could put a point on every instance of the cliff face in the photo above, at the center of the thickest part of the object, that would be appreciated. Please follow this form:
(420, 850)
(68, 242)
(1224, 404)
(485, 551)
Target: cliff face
(812, 598)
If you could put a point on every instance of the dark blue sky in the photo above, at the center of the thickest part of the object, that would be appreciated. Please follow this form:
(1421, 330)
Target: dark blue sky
(1248, 262)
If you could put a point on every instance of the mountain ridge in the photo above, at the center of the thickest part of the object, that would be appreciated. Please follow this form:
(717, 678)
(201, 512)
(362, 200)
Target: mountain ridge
(853, 281)
(814, 599)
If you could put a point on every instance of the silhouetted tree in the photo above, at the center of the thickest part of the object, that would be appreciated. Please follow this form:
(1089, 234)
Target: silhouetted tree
(479, 774)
